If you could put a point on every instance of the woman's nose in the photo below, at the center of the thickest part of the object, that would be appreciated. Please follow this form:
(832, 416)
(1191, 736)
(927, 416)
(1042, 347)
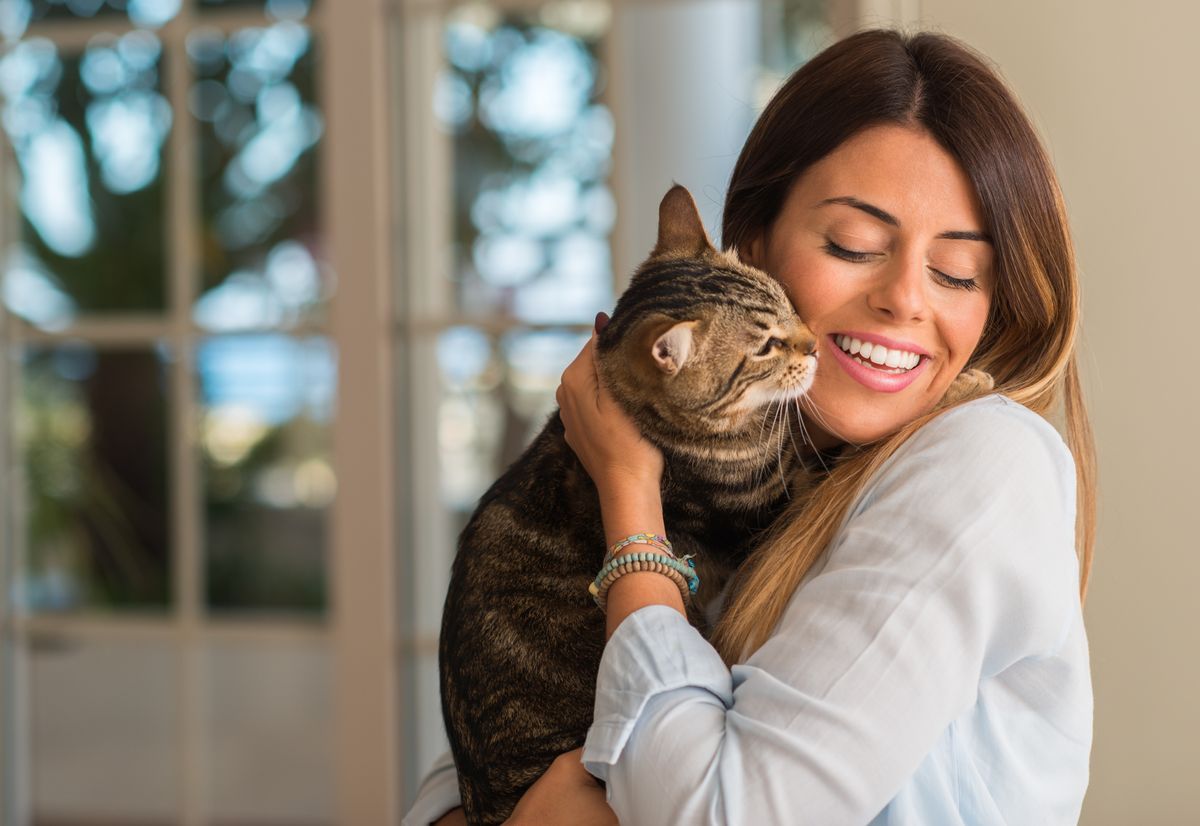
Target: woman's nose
(899, 291)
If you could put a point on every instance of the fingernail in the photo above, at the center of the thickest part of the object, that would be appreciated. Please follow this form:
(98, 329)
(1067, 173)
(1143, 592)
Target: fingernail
(601, 321)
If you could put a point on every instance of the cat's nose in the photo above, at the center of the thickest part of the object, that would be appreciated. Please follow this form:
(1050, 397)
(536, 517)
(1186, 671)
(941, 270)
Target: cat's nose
(805, 343)
(802, 339)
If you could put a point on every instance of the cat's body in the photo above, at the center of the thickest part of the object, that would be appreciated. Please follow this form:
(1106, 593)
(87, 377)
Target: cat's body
(698, 349)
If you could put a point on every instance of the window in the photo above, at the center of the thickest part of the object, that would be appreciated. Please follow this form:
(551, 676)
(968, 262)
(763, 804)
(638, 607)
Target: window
(174, 412)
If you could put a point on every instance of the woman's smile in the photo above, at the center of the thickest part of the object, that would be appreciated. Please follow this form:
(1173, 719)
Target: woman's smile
(876, 365)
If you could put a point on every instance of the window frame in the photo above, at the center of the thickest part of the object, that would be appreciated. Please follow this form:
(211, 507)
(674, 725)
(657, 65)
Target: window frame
(358, 627)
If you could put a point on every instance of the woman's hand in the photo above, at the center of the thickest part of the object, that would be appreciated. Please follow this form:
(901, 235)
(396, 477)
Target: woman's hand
(454, 817)
(566, 794)
(627, 471)
(606, 440)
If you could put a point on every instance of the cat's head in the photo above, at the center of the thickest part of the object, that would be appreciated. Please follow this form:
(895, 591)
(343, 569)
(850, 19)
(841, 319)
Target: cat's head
(700, 343)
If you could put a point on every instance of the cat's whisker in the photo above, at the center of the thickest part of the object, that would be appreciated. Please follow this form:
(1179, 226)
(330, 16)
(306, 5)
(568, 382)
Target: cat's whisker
(792, 438)
(807, 439)
(768, 414)
(781, 417)
(824, 422)
(766, 431)
(765, 415)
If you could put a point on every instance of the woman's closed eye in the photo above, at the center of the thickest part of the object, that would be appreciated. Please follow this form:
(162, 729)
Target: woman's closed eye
(861, 257)
(845, 254)
(955, 283)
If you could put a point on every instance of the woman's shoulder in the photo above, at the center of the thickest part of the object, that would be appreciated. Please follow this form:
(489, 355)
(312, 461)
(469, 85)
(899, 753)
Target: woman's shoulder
(976, 513)
(994, 428)
(994, 415)
(983, 447)
(988, 489)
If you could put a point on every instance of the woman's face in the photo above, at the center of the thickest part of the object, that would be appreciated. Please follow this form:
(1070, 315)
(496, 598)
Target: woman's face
(882, 243)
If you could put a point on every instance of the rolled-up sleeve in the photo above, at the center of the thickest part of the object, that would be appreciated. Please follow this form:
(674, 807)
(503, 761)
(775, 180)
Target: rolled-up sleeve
(437, 795)
(955, 562)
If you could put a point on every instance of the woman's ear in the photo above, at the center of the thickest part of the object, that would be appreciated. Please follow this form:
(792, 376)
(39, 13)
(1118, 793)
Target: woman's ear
(751, 252)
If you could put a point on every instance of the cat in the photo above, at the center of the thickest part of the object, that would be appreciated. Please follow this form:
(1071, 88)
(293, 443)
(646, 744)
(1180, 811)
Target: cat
(704, 353)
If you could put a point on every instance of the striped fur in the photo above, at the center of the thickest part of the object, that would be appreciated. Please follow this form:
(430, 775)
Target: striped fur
(521, 638)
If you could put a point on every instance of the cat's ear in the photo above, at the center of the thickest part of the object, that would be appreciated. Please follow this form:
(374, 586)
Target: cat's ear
(672, 348)
(680, 230)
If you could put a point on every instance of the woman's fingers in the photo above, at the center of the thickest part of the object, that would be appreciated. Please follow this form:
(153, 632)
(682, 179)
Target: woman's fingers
(579, 379)
(603, 437)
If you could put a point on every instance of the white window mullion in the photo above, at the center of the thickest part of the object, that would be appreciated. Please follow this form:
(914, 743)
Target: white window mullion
(15, 735)
(356, 221)
(425, 307)
(183, 210)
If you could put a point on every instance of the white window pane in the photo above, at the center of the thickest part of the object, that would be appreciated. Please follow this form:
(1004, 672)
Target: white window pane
(269, 729)
(104, 731)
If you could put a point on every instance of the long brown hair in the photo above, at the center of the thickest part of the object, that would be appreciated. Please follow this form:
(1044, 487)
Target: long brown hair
(936, 83)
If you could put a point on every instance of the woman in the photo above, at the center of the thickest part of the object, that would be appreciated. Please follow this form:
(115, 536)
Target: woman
(908, 646)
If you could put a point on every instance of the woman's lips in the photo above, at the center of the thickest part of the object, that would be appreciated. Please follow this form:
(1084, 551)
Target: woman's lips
(872, 378)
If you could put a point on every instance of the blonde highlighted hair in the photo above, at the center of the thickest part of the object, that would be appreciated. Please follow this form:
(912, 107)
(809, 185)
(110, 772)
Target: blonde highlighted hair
(935, 83)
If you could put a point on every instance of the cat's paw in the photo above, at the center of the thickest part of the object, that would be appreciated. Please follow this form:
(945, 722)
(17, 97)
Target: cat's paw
(968, 383)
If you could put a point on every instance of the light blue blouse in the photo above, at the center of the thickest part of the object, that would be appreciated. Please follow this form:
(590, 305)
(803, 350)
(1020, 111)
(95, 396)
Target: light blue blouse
(932, 668)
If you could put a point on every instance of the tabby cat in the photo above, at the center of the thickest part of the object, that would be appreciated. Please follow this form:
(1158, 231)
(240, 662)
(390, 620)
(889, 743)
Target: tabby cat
(703, 352)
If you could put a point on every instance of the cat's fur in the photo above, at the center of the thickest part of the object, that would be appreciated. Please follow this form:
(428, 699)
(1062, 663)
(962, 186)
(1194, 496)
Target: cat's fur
(699, 348)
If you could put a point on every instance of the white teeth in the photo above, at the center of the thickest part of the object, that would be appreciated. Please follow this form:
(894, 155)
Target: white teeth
(894, 360)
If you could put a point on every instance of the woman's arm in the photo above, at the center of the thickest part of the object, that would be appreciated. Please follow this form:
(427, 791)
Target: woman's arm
(627, 471)
(957, 561)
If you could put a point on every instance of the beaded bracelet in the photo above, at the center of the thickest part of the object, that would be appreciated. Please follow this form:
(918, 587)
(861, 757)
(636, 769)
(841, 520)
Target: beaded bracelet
(646, 539)
(681, 572)
(600, 589)
(651, 539)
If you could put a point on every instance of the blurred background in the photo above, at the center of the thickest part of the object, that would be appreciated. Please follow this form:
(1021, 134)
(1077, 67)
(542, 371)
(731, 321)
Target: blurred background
(285, 284)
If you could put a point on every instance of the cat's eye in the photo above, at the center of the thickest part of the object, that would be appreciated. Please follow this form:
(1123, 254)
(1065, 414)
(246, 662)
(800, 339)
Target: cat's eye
(772, 344)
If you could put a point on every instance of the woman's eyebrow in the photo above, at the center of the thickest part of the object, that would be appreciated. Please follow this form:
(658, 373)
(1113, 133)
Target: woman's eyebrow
(892, 220)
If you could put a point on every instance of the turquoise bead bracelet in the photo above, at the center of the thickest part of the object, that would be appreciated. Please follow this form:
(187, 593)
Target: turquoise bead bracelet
(685, 566)
(682, 571)
(652, 540)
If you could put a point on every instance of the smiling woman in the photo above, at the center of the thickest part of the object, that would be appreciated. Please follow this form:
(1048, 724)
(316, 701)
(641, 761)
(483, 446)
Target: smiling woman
(935, 173)
(907, 643)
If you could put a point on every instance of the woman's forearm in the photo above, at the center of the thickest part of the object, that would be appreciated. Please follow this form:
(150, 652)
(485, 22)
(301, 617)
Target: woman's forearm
(454, 817)
(630, 508)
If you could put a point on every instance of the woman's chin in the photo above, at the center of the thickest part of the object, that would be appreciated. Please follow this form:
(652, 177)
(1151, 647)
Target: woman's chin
(855, 421)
